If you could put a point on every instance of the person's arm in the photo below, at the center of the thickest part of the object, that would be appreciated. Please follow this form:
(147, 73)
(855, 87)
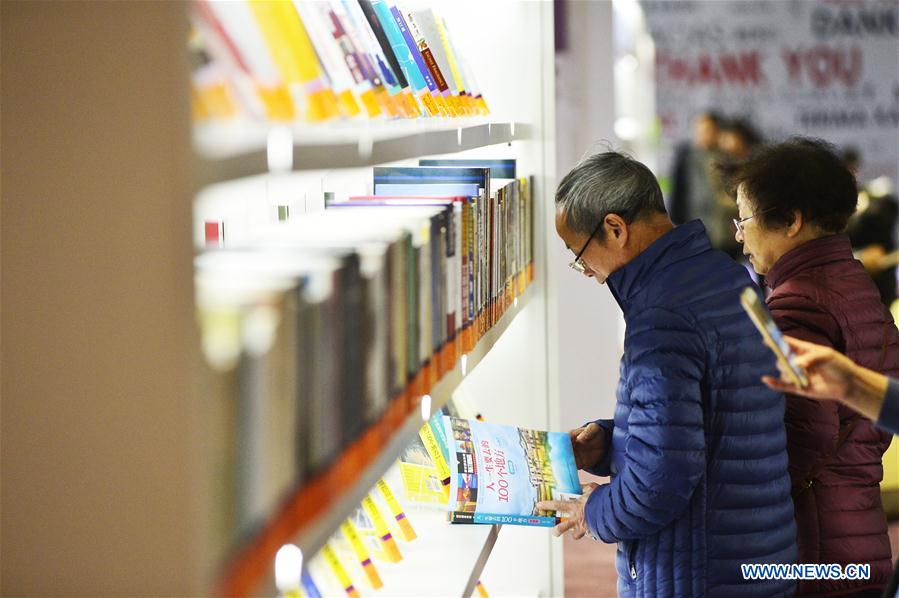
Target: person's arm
(888, 419)
(833, 376)
(665, 452)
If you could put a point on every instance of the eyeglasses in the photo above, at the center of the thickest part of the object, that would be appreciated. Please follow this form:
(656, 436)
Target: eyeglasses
(738, 223)
(578, 264)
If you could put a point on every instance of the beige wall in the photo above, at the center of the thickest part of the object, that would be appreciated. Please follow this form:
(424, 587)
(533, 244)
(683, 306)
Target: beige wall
(97, 329)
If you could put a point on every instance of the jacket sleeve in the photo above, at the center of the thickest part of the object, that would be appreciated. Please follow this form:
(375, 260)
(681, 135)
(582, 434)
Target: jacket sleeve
(812, 426)
(602, 469)
(889, 412)
(664, 452)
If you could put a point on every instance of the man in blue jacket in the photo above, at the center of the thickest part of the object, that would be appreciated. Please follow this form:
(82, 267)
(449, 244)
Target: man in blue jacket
(697, 448)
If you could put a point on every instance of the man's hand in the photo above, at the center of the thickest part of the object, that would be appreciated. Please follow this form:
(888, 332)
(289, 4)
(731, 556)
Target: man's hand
(572, 510)
(589, 444)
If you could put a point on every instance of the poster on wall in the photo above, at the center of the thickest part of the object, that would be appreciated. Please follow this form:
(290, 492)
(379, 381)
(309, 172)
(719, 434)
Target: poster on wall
(822, 68)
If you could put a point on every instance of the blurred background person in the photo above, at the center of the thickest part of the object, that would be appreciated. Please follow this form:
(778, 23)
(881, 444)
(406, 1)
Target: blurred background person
(872, 229)
(737, 140)
(692, 190)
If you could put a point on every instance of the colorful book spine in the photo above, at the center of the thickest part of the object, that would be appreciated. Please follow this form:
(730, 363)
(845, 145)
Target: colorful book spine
(404, 56)
(440, 89)
(339, 571)
(388, 543)
(309, 588)
(397, 510)
(236, 21)
(352, 536)
(499, 519)
(438, 456)
(428, 93)
(331, 58)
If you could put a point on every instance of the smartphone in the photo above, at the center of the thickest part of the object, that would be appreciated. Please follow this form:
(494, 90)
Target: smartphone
(774, 338)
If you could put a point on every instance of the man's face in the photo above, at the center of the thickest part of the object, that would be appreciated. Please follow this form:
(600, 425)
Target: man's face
(763, 246)
(600, 258)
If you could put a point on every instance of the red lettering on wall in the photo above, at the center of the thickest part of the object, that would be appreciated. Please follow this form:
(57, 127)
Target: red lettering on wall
(728, 68)
(824, 66)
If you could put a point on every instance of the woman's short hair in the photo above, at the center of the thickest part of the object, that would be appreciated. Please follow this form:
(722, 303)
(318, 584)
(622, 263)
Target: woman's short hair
(801, 174)
(607, 183)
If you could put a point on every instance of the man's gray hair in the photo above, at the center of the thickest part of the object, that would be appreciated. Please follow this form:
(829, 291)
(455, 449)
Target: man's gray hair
(607, 183)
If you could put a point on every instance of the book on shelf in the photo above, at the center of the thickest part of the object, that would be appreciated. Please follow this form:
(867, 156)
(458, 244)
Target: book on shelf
(500, 472)
(316, 61)
(503, 168)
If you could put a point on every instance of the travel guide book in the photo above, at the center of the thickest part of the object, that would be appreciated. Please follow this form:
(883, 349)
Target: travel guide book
(500, 472)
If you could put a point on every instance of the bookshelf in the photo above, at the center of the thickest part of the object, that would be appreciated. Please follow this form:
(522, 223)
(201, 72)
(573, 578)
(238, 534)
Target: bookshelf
(510, 371)
(324, 502)
(107, 402)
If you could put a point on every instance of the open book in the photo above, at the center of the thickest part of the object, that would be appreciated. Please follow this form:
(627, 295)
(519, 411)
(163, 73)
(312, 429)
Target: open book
(499, 472)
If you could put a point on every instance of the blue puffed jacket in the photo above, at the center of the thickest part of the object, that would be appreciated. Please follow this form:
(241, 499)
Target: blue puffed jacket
(698, 447)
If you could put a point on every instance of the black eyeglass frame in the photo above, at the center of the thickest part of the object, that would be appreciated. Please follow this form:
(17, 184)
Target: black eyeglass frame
(577, 264)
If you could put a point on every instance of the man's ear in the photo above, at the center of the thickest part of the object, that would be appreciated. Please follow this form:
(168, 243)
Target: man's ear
(616, 229)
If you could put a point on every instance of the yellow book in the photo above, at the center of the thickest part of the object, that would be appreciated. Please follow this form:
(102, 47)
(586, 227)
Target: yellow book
(450, 56)
(391, 550)
(292, 51)
(430, 105)
(352, 535)
(397, 510)
(432, 445)
(338, 569)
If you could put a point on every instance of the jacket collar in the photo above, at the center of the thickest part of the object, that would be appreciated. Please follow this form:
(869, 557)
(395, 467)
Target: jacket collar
(679, 243)
(814, 253)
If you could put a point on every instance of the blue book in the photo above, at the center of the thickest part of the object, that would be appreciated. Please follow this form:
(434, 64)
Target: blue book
(413, 49)
(499, 169)
(399, 46)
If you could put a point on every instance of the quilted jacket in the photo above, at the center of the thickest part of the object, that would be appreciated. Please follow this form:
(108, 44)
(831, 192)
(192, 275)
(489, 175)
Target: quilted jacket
(698, 448)
(820, 293)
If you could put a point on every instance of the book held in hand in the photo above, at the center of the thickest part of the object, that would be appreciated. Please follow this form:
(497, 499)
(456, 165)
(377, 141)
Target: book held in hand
(500, 472)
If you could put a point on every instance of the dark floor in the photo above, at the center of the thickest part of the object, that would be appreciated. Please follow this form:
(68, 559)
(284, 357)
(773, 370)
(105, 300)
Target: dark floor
(590, 566)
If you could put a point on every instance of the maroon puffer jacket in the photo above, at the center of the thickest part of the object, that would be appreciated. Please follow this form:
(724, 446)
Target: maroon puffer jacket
(821, 294)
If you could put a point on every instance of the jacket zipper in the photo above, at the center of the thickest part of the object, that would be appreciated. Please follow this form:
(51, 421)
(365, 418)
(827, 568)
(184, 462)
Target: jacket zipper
(631, 560)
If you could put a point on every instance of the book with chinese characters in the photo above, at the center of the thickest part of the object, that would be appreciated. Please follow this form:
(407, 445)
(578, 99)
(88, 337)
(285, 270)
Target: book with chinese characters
(500, 472)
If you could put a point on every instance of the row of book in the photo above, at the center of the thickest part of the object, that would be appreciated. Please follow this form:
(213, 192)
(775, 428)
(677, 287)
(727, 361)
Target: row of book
(362, 556)
(317, 60)
(325, 328)
(467, 470)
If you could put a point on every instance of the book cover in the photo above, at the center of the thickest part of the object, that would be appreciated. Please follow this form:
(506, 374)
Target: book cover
(501, 168)
(371, 44)
(500, 472)
(381, 36)
(428, 181)
(403, 55)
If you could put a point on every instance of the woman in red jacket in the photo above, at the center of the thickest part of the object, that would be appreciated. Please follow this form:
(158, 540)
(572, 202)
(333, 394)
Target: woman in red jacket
(794, 200)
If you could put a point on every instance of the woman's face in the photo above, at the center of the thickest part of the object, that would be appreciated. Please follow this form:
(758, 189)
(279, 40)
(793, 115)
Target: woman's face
(763, 246)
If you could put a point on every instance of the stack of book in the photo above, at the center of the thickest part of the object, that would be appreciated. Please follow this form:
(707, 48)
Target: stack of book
(317, 60)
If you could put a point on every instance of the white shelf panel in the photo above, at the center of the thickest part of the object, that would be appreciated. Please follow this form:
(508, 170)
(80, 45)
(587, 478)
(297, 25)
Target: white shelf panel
(232, 151)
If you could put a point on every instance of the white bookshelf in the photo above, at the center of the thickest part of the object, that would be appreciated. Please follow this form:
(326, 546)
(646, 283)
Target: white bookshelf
(109, 399)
